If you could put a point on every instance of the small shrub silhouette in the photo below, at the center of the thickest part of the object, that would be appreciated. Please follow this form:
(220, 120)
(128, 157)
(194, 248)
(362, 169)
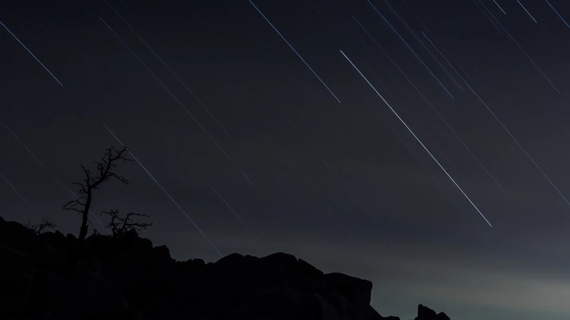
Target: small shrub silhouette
(123, 226)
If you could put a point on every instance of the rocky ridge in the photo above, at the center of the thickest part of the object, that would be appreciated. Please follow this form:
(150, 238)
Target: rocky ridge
(130, 279)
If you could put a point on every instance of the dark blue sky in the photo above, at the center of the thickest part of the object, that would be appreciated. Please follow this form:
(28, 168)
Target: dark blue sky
(201, 90)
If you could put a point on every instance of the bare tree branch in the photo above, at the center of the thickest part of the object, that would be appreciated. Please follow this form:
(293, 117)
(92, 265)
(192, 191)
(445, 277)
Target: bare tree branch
(105, 171)
(120, 226)
(41, 227)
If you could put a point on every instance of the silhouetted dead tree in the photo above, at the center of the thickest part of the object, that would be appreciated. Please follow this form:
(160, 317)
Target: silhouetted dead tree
(105, 171)
(41, 227)
(121, 226)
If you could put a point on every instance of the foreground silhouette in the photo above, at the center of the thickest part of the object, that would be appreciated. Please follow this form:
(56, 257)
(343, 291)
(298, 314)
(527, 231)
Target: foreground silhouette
(126, 278)
(105, 171)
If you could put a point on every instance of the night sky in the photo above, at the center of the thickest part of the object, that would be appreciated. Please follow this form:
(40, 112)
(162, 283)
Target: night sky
(380, 139)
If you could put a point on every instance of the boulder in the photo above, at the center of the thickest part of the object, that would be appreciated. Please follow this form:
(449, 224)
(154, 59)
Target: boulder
(357, 291)
(425, 313)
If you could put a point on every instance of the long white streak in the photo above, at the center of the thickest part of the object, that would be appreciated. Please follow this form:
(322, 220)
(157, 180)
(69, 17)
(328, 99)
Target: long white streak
(431, 106)
(165, 192)
(437, 182)
(495, 1)
(412, 50)
(237, 216)
(179, 103)
(435, 179)
(530, 15)
(43, 165)
(530, 59)
(169, 69)
(566, 23)
(38, 60)
(297, 53)
(418, 139)
(18, 193)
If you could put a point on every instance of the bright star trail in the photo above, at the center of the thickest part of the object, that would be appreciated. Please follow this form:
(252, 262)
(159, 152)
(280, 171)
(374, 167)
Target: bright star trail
(530, 15)
(240, 143)
(297, 53)
(410, 150)
(38, 60)
(166, 193)
(419, 141)
(179, 103)
(431, 106)
(558, 14)
(499, 6)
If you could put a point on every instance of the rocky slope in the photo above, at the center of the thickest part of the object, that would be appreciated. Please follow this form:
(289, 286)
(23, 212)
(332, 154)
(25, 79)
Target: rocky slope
(129, 279)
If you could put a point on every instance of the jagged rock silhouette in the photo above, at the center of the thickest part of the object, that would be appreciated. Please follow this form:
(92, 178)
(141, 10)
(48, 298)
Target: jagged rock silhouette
(425, 313)
(129, 279)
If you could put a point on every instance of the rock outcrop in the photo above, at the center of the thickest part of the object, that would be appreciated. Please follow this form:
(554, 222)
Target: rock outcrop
(129, 279)
(425, 313)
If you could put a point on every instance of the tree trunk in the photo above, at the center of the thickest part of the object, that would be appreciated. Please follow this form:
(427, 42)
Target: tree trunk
(82, 231)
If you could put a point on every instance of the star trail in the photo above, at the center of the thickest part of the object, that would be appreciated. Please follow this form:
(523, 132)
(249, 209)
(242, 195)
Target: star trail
(419, 141)
(377, 138)
(38, 60)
